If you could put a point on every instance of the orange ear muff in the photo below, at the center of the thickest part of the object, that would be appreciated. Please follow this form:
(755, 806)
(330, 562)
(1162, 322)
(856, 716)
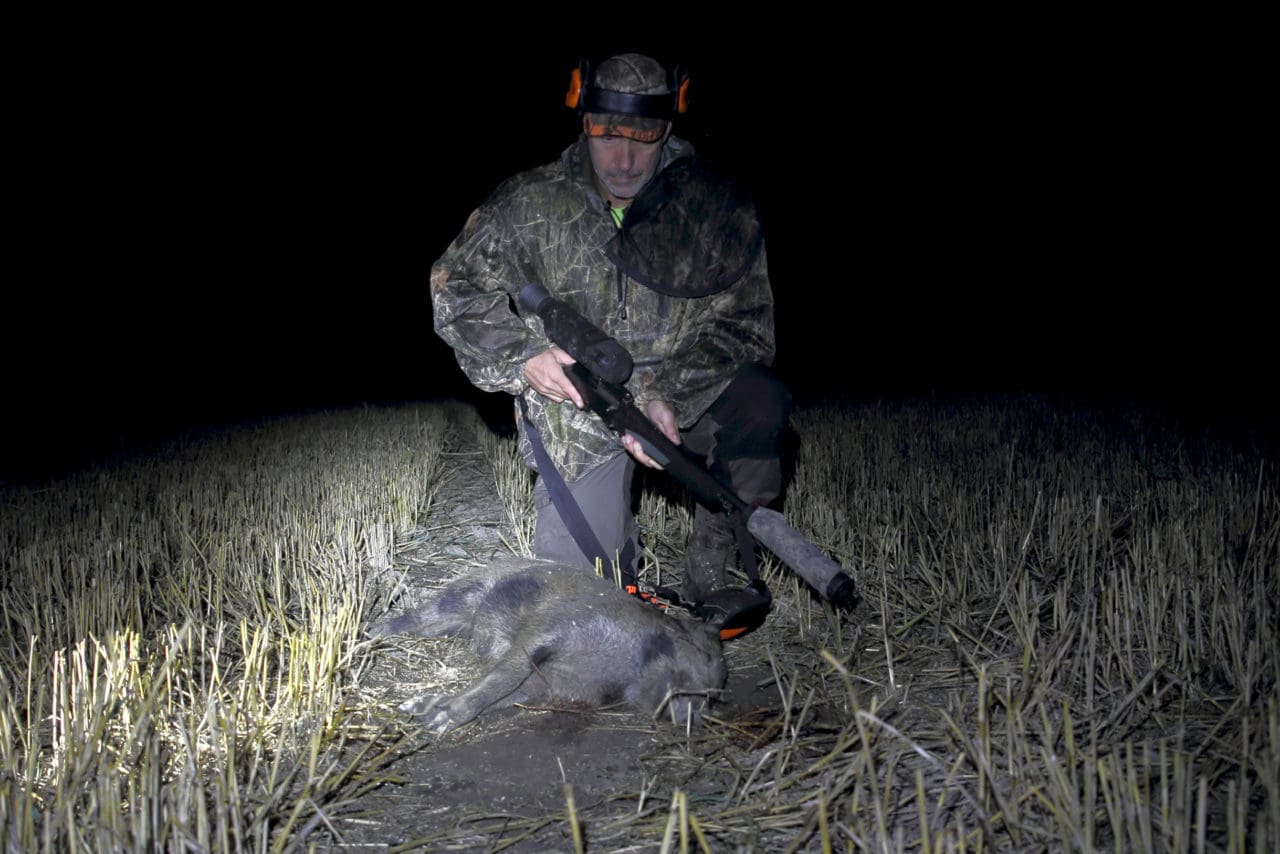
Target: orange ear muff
(682, 96)
(573, 98)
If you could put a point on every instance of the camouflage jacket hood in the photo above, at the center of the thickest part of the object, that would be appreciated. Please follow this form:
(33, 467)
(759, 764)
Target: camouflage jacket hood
(551, 225)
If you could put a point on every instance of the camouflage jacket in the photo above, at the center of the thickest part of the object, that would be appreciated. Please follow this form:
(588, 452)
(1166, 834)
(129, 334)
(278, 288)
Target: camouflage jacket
(550, 225)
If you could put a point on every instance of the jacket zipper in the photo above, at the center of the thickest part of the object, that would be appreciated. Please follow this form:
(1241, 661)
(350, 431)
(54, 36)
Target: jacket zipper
(622, 293)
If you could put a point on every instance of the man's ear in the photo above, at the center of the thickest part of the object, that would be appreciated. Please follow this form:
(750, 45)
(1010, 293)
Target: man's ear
(586, 124)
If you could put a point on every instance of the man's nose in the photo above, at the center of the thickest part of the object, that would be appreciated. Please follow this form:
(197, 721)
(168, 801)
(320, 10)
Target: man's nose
(626, 156)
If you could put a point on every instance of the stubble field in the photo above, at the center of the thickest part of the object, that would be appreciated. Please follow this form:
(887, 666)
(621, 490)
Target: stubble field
(1067, 639)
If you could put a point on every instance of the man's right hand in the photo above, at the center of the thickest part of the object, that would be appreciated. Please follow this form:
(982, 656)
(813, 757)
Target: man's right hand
(545, 373)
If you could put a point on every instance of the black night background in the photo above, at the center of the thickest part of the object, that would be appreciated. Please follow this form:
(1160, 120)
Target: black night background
(225, 220)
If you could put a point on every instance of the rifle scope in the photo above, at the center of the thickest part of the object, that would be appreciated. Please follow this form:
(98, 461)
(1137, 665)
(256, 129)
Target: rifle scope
(577, 336)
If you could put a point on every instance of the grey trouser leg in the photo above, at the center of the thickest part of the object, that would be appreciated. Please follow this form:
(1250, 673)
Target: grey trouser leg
(604, 496)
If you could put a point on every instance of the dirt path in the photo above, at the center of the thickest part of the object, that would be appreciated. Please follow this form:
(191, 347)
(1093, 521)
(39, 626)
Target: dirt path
(505, 780)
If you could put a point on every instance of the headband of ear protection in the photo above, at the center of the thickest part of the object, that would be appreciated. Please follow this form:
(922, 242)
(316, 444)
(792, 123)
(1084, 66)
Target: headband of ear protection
(586, 98)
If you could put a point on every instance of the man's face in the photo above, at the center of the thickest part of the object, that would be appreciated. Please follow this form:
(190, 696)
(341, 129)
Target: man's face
(624, 166)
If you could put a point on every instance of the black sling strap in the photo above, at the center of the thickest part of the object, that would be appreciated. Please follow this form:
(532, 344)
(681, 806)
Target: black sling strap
(570, 512)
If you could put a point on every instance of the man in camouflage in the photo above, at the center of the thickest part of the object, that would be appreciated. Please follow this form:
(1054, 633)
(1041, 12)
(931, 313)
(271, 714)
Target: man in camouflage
(629, 229)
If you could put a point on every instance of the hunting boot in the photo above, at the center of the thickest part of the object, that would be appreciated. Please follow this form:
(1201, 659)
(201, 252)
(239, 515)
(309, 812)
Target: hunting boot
(712, 547)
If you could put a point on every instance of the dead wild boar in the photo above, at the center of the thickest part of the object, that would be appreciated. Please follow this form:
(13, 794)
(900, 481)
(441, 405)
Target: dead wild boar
(556, 634)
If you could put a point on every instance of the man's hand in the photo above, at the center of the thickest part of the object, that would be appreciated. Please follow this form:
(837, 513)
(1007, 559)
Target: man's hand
(545, 373)
(664, 418)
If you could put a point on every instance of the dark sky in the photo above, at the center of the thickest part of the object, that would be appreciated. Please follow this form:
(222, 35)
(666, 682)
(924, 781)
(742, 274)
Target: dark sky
(236, 218)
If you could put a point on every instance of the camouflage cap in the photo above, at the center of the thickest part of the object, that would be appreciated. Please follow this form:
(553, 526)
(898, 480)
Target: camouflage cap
(613, 109)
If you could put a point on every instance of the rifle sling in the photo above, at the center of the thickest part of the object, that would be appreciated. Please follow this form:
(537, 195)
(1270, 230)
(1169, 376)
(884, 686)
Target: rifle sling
(567, 507)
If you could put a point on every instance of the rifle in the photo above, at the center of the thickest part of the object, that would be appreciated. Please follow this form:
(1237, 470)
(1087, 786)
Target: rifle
(601, 368)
